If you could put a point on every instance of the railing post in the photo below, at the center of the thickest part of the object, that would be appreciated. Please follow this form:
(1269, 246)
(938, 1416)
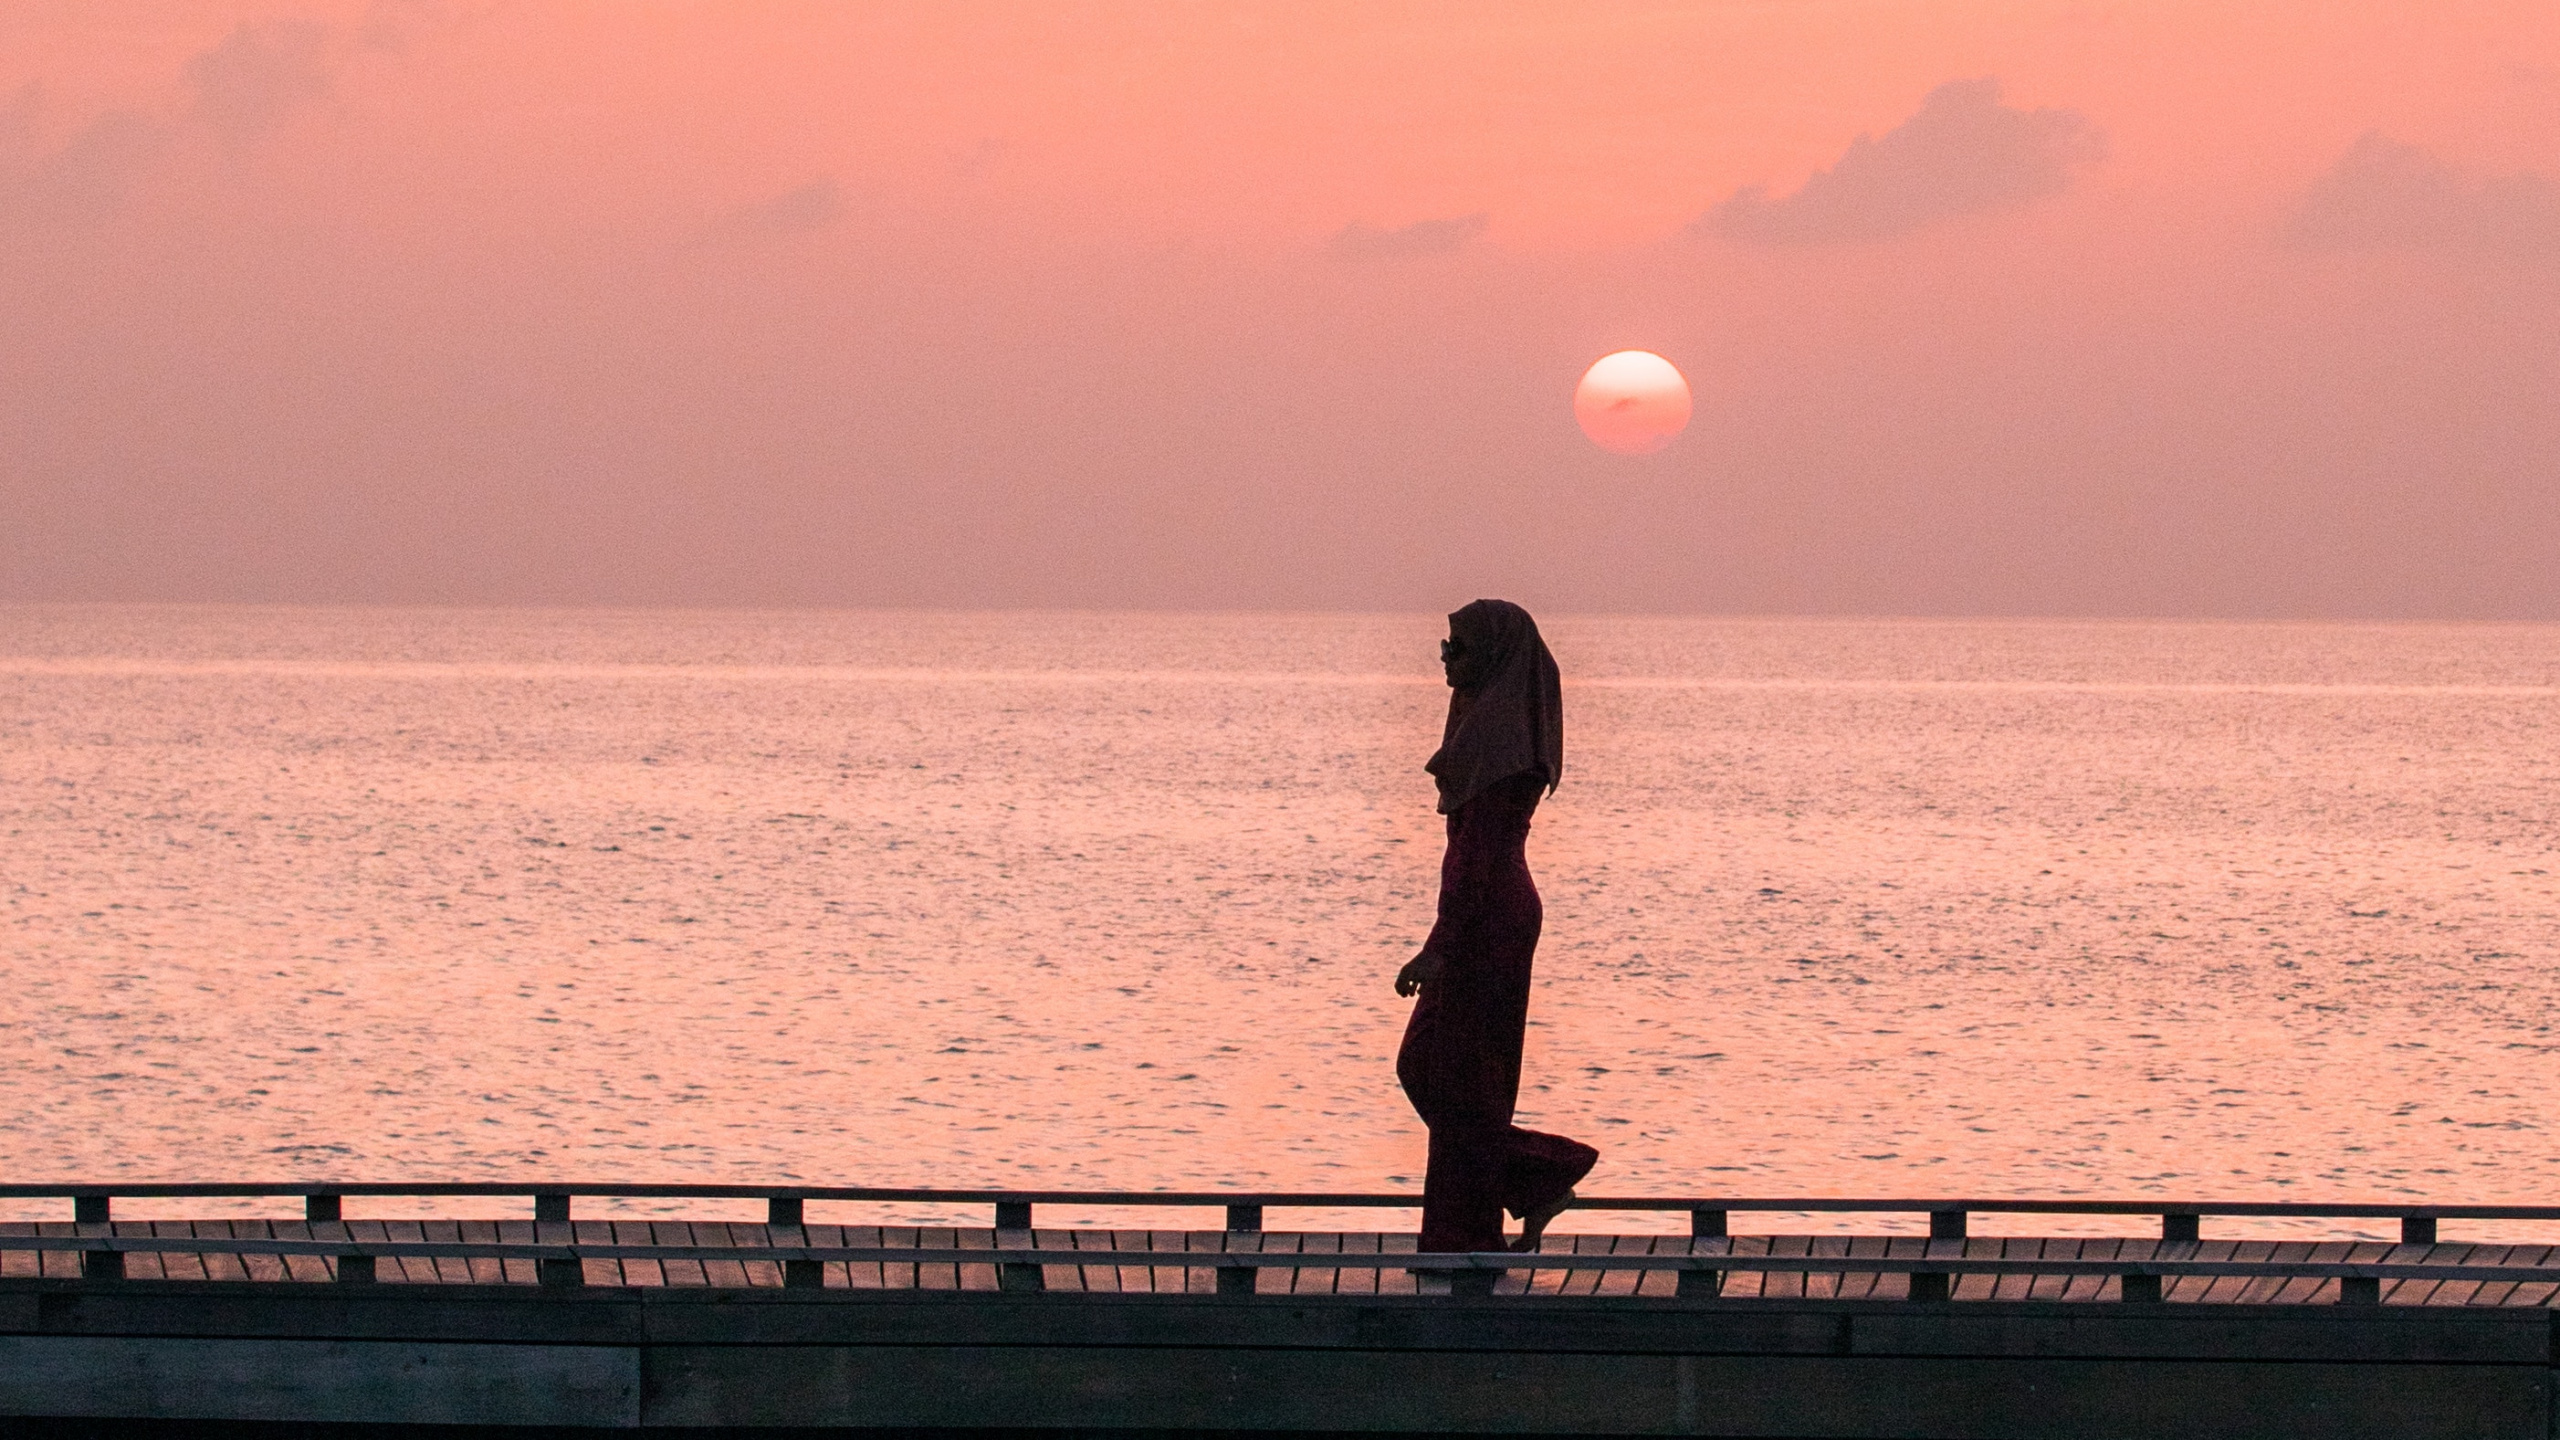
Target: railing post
(2140, 1289)
(1236, 1279)
(789, 1212)
(322, 1209)
(97, 1264)
(1013, 1218)
(1244, 1219)
(2359, 1290)
(1703, 1225)
(2178, 1225)
(552, 1208)
(355, 1270)
(1930, 1287)
(2417, 1229)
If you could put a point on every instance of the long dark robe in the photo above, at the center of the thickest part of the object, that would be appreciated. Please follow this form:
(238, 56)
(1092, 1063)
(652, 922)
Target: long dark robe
(1460, 1062)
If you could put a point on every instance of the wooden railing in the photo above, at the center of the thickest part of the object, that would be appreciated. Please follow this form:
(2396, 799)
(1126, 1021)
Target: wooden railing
(560, 1258)
(1708, 1215)
(562, 1263)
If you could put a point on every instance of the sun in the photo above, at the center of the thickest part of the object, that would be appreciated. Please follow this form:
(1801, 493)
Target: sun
(1632, 402)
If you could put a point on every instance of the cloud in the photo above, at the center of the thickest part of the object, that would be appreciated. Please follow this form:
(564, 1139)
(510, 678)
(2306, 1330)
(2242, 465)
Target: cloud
(87, 180)
(1422, 237)
(259, 75)
(2384, 195)
(813, 206)
(1963, 153)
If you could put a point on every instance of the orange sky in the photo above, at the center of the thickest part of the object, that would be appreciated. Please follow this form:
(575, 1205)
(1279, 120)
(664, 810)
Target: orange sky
(1281, 305)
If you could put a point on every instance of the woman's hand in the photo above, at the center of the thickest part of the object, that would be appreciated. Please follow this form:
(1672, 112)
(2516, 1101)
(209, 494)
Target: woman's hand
(1423, 969)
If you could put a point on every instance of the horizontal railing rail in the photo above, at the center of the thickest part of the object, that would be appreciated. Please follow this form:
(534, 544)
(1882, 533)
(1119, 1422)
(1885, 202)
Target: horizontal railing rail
(1277, 1199)
(1709, 1214)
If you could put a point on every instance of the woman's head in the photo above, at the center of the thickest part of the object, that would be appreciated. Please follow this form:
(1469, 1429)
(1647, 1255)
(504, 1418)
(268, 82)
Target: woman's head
(1506, 711)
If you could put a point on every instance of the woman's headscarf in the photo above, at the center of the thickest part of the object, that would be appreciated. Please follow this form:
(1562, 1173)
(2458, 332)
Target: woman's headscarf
(1513, 720)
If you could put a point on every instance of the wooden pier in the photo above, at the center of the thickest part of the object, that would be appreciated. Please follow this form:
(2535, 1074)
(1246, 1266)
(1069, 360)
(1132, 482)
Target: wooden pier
(556, 1319)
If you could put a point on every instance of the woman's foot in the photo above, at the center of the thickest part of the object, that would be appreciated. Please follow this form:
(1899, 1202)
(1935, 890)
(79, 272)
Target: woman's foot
(1533, 1226)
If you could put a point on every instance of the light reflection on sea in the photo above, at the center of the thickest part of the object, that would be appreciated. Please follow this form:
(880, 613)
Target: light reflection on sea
(1872, 908)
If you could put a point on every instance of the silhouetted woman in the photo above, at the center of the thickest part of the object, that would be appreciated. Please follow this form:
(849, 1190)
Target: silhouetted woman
(1503, 749)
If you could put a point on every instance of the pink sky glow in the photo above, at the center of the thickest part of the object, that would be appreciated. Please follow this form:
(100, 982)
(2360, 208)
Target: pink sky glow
(1989, 306)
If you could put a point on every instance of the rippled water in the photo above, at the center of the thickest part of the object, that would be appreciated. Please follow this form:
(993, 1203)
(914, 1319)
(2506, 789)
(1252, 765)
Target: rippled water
(1878, 908)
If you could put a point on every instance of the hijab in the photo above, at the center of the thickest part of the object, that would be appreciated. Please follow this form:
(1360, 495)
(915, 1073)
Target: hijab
(1512, 721)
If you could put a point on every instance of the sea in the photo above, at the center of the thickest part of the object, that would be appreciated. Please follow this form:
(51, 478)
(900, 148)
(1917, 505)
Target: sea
(1835, 907)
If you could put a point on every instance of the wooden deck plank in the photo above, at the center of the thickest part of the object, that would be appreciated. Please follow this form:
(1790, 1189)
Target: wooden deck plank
(767, 1274)
(2095, 1287)
(1310, 1280)
(1568, 1282)
(1900, 1247)
(181, 1264)
(519, 1232)
(977, 1275)
(2190, 1289)
(483, 1272)
(1358, 1282)
(1134, 1279)
(1057, 1278)
(863, 1275)
(761, 1274)
(1200, 1280)
(686, 1273)
(2049, 1287)
(389, 1270)
(265, 1268)
(1398, 1282)
(1785, 1285)
(1094, 1279)
(1659, 1282)
(453, 1269)
(1265, 1281)
(723, 1274)
(897, 1274)
(1622, 1282)
(647, 1273)
(593, 1232)
(2458, 1292)
(1746, 1284)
